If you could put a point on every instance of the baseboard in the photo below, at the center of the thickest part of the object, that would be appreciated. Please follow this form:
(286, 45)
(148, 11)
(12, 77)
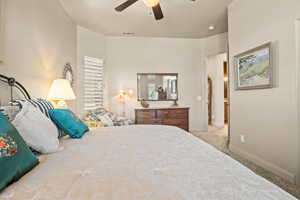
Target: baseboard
(265, 164)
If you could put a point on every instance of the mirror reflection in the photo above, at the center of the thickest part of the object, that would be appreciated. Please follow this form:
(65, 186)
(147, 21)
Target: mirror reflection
(157, 87)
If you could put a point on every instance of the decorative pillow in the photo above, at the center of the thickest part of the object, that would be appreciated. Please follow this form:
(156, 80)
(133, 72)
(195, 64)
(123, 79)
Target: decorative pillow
(37, 130)
(44, 106)
(3, 111)
(10, 111)
(16, 159)
(68, 122)
(122, 121)
(106, 120)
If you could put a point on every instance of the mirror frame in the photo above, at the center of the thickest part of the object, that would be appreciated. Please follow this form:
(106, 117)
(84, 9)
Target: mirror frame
(156, 74)
(68, 68)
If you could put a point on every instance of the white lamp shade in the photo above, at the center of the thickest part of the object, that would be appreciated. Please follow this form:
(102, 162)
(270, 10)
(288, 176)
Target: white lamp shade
(61, 90)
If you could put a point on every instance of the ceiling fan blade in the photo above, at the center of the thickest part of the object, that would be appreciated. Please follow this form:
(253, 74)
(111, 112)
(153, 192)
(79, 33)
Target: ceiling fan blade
(125, 5)
(158, 14)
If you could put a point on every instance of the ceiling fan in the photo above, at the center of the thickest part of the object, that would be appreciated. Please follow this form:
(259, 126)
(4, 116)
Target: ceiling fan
(154, 4)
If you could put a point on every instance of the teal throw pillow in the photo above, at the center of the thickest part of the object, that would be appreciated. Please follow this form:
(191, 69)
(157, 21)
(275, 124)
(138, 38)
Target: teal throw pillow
(68, 122)
(16, 159)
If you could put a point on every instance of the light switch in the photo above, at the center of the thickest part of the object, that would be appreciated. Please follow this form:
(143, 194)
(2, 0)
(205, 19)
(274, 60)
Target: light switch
(243, 139)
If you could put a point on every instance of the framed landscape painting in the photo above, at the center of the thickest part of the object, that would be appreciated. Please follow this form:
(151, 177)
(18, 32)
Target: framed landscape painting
(253, 69)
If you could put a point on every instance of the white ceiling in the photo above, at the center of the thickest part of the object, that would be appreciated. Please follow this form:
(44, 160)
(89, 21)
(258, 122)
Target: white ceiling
(183, 18)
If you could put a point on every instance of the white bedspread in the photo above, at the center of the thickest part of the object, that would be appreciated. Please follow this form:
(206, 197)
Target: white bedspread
(141, 163)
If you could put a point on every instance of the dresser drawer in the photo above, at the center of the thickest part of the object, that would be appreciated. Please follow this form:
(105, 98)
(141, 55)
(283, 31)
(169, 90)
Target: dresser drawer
(174, 122)
(149, 121)
(172, 117)
(178, 114)
(146, 114)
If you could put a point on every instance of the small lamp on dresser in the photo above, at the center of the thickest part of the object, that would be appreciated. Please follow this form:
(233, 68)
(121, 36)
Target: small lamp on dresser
(60, 92)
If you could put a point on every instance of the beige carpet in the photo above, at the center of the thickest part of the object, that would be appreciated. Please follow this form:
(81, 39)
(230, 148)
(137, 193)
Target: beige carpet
(218, 138)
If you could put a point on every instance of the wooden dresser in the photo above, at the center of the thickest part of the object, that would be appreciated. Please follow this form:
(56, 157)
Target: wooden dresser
(177, 116)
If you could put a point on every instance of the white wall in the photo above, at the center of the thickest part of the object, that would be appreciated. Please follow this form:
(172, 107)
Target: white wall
(90, 44)
(39, 39)
(1, 27)
(267, 118)
(128, 56)
(215, 70)
(216, 44)
(298, 64)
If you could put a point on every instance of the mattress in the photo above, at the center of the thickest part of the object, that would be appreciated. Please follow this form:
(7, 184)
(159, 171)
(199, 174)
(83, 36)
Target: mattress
(141, 163)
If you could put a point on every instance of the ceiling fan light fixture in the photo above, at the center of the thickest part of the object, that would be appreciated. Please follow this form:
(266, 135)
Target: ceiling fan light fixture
(151, 3)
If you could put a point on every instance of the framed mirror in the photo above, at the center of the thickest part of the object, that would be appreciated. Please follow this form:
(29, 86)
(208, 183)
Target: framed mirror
(68, 73)
(157, 86)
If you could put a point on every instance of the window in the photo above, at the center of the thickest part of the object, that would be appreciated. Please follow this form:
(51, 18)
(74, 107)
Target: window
(93, 83)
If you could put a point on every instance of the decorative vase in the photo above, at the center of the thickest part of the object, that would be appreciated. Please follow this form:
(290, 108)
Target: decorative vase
(144, 104)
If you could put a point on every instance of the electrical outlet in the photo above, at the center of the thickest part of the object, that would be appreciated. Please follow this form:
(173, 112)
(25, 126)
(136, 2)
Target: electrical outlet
(243, 139)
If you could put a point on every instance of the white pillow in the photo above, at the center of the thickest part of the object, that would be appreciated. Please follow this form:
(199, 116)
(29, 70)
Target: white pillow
(37, 130)
(106, 120)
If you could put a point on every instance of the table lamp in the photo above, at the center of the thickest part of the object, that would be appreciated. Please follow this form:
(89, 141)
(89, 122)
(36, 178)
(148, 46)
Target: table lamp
(124, 96)
(60, 92)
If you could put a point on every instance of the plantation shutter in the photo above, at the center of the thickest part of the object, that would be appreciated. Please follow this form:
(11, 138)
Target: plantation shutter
(93, 83)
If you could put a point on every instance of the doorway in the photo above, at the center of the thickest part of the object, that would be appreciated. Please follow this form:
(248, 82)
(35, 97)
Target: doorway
(210, 88)
(226, 88)
(218, 97)
(217, 102)
(210, 96)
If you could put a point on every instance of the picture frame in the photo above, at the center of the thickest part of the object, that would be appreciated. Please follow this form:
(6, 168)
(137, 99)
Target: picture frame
(254, 68)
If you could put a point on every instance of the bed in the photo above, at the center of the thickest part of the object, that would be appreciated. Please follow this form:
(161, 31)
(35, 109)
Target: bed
(141, 162)
(138, 162)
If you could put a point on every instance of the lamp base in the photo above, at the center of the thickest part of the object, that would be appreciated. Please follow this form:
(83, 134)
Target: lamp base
(60, 104)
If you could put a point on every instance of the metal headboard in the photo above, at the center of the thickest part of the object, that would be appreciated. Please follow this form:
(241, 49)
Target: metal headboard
(12, 83)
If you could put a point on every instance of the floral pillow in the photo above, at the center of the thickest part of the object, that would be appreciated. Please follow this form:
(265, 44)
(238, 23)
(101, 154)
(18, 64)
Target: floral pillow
(16, 159)
(8, 147)
(107, 117)
(122, 121)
